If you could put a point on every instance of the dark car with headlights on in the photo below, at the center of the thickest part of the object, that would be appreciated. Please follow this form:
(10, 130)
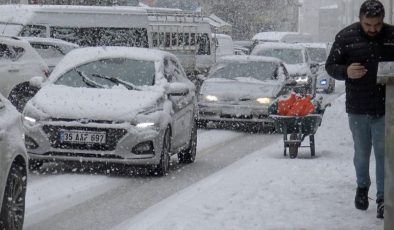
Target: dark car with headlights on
(240, 89)
(297, 60)
(122, 105)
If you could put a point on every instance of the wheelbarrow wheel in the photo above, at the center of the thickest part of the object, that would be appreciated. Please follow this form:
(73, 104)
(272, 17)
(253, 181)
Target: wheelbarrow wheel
(293, 147)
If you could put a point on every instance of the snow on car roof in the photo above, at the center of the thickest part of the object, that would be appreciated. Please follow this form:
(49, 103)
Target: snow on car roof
(271, 36)
(277, 45)
(22, 14)
(244, 58)
(81, 56)
(314, 45)
(14, 40)
(52, 41)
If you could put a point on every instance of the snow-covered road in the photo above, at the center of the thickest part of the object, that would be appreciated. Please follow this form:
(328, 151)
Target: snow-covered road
(69, 199)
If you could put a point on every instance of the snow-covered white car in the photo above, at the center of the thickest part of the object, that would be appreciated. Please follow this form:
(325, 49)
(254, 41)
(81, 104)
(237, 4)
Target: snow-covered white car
(19, 62)
(318, 53)
(50, 49)
(13, 167)
(241, 88)
(125, 105)
(297, 60)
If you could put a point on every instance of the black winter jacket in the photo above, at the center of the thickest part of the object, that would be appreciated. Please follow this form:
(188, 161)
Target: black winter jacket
(352, 45)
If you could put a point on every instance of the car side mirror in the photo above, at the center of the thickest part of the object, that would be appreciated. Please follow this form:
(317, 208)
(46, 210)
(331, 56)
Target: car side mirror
(2, 105)
(314, 67)
(36, 81)
(178, 89)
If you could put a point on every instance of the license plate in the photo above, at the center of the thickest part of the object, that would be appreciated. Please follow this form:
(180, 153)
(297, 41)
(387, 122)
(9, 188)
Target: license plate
(82, 137)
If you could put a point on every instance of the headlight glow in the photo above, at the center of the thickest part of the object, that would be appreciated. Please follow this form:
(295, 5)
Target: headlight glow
(323, 82)
(145, 125)
(301, 78)
(211, 98)
(264, 100)
(30, 119)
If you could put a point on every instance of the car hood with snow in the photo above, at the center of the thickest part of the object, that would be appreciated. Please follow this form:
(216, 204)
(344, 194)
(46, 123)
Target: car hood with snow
(241, 88)
(298, 69)
(55, 101)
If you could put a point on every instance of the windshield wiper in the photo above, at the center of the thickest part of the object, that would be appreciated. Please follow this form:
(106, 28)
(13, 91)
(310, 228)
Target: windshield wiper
(118, 81)
(89, 81)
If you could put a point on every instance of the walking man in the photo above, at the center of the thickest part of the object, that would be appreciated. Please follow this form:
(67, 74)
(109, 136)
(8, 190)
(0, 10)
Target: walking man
(354, 58)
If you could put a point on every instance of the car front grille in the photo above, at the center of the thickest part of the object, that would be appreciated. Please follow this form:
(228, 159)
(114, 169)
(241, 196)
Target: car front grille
(113, 135)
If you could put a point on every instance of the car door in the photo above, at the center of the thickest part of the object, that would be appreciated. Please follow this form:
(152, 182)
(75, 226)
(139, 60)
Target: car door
(183, 105)
(4, 163)
(9, 70)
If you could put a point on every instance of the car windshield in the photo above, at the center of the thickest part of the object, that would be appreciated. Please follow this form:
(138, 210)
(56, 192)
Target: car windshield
(257, 70)
(107, 73)
(47, 51)
(317, 54)
(290, 56)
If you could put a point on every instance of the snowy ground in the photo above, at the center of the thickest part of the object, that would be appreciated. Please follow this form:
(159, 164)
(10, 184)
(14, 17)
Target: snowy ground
(268, 191)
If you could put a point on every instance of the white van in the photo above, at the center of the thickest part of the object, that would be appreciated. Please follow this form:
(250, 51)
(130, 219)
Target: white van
(185, 34)
(224, 45)
(286, 37)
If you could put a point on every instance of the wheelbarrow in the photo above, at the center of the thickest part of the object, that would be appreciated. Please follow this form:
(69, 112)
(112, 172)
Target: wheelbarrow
(295, 129)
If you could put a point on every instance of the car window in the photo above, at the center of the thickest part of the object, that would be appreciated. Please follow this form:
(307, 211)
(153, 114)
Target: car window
(178, 72)
(136, 72)
(47, 51)
(317, 54)
(12, 53)
(33, 31)
(257, 70)
(169, 70)
(289, 56)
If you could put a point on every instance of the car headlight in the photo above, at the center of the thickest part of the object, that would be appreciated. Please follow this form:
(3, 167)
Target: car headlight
(301, 78)
(144, 125)
(29, 120)
(264, 100)
(323, 82)
(210, 98)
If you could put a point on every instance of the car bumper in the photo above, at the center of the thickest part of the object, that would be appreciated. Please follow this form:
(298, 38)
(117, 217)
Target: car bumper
(233, 113)
(43, 143)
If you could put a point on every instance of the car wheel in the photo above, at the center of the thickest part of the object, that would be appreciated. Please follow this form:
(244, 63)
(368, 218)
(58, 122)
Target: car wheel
(293, 147)
(21, 94)
(188, 155)
(35, 165)
(162, 168)
(13, 207)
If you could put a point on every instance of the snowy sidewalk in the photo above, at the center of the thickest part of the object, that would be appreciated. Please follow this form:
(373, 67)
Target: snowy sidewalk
(265, 190)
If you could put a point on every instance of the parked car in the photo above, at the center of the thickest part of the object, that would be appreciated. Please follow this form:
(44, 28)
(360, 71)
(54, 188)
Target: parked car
(298, 63)
(50, 49)
(318, 52)
(19, 62)
(240, 89)
(245, 46)
(125, 105)
(13, 167)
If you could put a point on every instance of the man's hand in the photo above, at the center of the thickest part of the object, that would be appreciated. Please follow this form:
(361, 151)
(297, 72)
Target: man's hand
(356, 71)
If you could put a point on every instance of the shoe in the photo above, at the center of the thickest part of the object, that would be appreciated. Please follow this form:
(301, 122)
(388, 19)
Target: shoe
(361, 199)
(380, 209)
